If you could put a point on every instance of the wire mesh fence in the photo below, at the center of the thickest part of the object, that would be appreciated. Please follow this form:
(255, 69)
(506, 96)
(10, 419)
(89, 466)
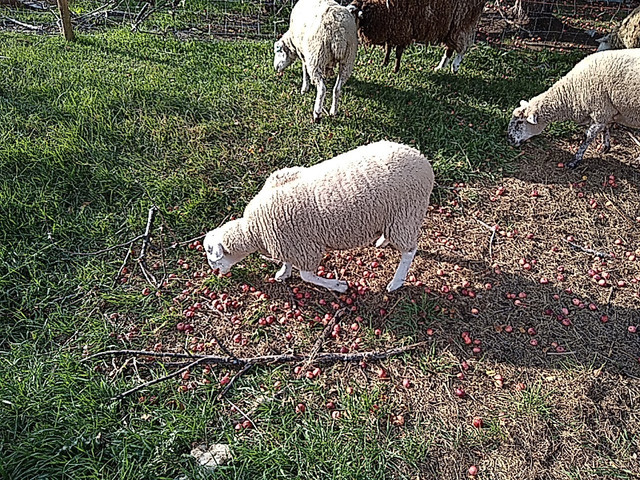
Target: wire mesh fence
(531, 23)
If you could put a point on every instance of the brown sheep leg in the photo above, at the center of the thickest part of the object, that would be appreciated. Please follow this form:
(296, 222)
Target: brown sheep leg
(399, 50)
(387, 53)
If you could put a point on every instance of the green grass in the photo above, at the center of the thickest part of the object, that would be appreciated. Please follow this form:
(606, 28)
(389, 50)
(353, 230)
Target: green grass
(93, 133)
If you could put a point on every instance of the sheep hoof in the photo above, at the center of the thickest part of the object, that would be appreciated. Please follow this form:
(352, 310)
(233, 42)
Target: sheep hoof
(394, 285)
(573, 163)
(316, 117)
(340, 286)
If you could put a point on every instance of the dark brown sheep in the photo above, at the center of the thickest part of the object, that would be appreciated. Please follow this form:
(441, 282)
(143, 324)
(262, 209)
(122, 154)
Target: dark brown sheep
(398, 23)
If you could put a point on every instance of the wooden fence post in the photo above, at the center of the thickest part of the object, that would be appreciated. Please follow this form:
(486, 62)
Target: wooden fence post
(67, 29)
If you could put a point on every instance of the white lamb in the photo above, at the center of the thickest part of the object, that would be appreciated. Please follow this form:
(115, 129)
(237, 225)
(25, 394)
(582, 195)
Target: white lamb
(602, 89)
(378, 191)
(322, 34)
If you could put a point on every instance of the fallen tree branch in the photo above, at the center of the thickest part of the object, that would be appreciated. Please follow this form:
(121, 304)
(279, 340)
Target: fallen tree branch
(589, 250)
(240, 362)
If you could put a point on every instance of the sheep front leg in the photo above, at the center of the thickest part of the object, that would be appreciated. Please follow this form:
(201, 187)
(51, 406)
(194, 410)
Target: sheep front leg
(401, 272)
(305, 80)
(284, 272)
(321, 93)
(337, 285)
(592, 133)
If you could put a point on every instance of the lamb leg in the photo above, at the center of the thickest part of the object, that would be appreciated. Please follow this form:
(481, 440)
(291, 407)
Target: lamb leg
(592, 133)
(402, 270)
(337, 285)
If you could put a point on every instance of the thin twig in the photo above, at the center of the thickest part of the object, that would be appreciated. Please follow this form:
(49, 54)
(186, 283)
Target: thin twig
(589, 250)
(124, 264)
(320, 341)
(637, 142)
(493, 236)
(145, 244)
(22, 24)
(99, 252)
(147, 233)
(245, 416)
(232, 381)
(157, 380)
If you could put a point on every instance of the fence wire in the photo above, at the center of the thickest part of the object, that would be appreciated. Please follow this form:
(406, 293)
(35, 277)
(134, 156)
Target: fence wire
(530, 23)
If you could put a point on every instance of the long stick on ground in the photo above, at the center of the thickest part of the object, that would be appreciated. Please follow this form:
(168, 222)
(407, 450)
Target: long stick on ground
(239, 363)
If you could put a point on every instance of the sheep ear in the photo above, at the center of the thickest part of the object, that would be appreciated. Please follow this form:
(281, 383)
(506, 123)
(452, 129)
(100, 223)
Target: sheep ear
(352, 9)
(524, 104)
(532, 119)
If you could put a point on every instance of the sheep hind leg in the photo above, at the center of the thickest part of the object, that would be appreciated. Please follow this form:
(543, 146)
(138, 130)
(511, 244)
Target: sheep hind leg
(455, 65)
(284, 272)
(606, 140)
(402, 270)
(321, 93)
(336, 285)
(399, 52)
(336, 93)
(446, 58)
(305, 80)
(592, 133)
(382, 242)
(387, 53)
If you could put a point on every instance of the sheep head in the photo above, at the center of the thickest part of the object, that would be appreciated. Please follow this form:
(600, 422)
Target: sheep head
(524, 124)
(283, 56)
(604, 43)
(218, 245)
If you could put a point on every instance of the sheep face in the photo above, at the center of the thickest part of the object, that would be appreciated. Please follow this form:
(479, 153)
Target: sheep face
(604, 43)
(218, 256)
(523, 125)
(282, 56)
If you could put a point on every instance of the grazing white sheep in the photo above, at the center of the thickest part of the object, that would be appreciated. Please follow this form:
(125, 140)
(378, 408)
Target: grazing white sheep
(602, 89)
(323, 35)
(378, 191)
(401, 22)
(627, 35)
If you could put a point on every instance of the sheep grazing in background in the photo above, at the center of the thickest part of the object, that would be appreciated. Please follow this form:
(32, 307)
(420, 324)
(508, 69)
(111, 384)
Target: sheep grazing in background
(322, 34)
(602, 89)
(398, 23)
(378, 191)
(627, 35)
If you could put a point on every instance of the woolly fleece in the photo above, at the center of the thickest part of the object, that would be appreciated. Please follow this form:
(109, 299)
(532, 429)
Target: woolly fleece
(345, 202)
(401, 22)
(600, 90)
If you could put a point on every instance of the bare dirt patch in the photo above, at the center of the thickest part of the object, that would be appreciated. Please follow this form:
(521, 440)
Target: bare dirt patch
(528, 290)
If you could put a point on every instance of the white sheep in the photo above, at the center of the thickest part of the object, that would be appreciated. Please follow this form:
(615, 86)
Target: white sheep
(323, 35)
(627, 35)
(602, 89)
(377, 191)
